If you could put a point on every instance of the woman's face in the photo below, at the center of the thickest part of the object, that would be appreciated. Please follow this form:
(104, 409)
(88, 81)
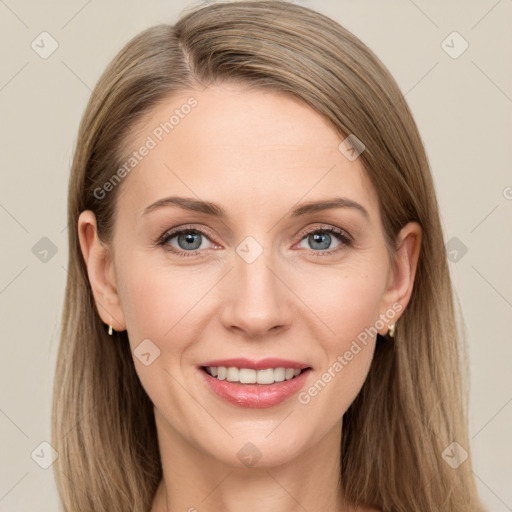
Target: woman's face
(258, 273)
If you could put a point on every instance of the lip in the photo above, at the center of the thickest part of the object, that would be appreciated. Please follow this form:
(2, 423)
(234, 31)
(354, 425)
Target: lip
(262, 364)
(255, 396)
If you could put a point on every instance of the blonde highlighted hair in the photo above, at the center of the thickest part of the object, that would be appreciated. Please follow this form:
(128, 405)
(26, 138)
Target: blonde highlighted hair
(413, 404)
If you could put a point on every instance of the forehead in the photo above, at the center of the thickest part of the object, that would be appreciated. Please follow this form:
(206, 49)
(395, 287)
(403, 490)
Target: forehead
(255, 146)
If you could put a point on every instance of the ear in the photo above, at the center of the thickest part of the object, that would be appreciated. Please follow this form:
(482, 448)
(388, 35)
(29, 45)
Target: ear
(401, 274)
(101, 272)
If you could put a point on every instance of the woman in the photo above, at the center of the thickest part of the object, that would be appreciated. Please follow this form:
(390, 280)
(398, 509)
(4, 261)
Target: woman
(258, 312)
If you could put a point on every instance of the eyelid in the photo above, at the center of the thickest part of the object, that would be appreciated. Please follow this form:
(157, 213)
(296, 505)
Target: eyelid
(328, 228)
(176, 230)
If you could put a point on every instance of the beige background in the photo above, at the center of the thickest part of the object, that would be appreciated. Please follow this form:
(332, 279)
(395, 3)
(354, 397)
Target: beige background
(463, 107)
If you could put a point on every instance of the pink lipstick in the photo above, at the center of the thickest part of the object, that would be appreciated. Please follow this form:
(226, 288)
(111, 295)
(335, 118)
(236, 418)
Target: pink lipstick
(255, 384)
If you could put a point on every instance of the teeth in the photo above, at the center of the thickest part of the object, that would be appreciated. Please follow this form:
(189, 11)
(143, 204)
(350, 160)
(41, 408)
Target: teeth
(233, 375)
(249, 376)
(265, 376)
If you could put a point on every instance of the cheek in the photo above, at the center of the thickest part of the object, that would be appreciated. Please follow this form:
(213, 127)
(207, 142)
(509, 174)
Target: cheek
(161, 304)
(348, 303)
(156, 298)
(346, 299)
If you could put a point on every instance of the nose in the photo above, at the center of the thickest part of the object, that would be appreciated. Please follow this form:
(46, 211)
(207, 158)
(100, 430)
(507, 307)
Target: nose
(257, 302)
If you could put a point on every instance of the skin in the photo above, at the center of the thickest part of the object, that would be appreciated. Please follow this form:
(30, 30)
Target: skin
(257, 154)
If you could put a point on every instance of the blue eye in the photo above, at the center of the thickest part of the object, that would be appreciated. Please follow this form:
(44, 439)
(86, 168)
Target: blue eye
(320, 240)
(185, 241)
(191, 241)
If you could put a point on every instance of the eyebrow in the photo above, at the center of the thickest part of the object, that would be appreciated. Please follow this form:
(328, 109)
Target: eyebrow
(217, 211)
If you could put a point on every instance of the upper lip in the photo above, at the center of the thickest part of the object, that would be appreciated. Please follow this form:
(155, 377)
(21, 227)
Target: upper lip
(269, 362)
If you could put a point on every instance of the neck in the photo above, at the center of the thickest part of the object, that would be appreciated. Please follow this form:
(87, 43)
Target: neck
(194, 481)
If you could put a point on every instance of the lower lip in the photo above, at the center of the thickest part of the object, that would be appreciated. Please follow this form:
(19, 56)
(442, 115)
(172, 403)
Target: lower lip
(256, 395)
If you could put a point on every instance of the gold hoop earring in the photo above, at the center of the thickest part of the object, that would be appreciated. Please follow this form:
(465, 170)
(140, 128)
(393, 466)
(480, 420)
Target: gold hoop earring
(392, 330)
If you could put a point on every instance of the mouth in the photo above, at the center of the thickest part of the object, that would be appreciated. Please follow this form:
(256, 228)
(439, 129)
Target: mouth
(246, 383)
(265, 376)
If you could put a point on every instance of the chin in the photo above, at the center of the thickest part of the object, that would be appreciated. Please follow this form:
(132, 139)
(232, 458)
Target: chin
(258, 450)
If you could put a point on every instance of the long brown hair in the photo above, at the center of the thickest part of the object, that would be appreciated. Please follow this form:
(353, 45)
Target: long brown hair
(413, 404)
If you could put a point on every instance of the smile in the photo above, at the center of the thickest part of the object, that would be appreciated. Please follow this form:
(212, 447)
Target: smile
(246, 383)
(250, 376)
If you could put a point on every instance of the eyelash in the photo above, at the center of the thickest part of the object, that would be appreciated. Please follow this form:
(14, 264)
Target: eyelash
(341, 235)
